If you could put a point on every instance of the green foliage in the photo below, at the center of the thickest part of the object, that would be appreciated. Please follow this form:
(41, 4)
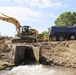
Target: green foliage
(45, 33)
(49, 29)
(66, 19)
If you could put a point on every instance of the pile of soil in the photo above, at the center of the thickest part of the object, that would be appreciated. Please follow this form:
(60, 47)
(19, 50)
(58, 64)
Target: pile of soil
(4, 50)
(59, 53)
(62, 53)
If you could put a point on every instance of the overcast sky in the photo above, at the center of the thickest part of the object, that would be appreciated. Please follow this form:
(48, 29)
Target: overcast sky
(39, 14)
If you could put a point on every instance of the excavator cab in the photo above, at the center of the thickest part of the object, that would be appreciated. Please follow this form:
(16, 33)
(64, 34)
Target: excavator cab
(24, 31)
(25, 35)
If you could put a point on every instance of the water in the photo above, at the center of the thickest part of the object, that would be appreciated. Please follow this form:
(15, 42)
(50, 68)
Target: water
(39, 70)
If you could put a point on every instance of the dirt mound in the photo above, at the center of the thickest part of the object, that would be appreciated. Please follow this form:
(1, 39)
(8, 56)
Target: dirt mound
(4, 49)
(59, 53)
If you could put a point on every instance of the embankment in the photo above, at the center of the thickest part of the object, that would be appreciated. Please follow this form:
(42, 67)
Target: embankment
(59, 53)
(51, 53)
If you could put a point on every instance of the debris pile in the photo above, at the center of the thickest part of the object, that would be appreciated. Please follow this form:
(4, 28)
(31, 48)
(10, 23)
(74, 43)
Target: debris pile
(4, 50)
(59, 53)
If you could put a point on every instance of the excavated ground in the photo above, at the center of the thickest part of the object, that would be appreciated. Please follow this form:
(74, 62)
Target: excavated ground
(52, 53)
(59, 53)
(4, 51)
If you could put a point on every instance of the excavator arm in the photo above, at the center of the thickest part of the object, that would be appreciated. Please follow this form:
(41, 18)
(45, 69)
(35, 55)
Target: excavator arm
(10, 20)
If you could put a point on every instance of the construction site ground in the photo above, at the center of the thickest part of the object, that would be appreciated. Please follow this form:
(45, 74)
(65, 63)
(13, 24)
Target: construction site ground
(61, 53)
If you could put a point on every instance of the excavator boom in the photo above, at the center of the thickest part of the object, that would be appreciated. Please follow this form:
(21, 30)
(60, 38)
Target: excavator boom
(10, 20)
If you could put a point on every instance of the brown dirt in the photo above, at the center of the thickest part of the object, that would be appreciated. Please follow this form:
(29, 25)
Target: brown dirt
(60, 53)
(4, 50)
(52, 53)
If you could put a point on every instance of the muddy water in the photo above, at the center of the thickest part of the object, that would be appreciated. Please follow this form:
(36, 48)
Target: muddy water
(39, 70)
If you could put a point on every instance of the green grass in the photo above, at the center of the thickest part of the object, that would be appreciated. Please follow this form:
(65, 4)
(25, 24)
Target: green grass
(9, 64)
(1, 67)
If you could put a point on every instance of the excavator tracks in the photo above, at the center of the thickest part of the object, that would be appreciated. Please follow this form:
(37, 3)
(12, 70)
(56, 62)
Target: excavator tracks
(25, 40)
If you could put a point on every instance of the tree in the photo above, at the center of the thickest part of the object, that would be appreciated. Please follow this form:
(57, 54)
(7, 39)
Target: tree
(45, 33)
(66, 19)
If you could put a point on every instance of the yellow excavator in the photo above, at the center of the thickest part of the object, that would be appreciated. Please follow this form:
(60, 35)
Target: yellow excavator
(42, 38)
(25, 33)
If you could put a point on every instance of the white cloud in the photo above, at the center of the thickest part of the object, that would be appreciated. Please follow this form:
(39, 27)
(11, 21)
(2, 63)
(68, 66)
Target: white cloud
(5, 0)
(51, 15)
(65, 6)
(46, 3)
(58, 4)
(40, 3)
(22, 13)
(22, 1)
(34, 2)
